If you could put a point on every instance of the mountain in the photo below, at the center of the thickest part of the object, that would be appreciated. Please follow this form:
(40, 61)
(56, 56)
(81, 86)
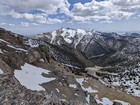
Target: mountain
(69, 67)
(93, 44)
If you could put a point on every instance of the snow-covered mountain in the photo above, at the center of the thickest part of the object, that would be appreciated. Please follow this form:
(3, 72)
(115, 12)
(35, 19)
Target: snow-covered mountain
(68, 66)
(93, 44)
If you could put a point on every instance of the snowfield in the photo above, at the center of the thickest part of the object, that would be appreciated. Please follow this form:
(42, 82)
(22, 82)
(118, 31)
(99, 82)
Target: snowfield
(31, 77)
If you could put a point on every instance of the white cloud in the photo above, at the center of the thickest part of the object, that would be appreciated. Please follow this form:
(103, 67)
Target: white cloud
(24, 15)
(21, 10)
(39, 18)
(27, 24)
(2, 23)
(53, 21)
(104, 11)
(11, 25)
(6, 24)
(24, 24)
(48, 6)
(34, 24)
(32, 17)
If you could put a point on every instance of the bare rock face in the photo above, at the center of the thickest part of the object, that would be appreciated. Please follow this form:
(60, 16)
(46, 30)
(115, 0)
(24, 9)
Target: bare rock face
(12, 93)
(11, 60)
(117, 103)
(93, 101)
(4, 66)
(11, 37)
(33, 56)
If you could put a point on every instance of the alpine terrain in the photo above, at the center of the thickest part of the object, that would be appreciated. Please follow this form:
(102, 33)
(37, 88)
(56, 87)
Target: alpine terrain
(69, 67)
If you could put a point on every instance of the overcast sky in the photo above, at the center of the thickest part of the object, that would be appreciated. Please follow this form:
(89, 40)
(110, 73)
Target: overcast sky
(35, 16)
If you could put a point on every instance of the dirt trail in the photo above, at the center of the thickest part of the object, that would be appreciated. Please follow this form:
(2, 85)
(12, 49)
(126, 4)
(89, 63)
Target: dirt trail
(93, 70)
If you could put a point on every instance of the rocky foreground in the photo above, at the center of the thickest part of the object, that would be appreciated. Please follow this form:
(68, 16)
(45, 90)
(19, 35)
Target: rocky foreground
(41, 71)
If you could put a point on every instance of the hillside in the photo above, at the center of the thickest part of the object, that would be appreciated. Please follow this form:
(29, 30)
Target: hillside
(69, 67)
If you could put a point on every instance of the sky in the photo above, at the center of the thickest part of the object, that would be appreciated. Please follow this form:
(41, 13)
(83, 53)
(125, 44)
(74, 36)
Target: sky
(29, 17)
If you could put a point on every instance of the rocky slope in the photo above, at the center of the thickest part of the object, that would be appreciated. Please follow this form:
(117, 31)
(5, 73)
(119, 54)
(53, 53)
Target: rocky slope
(50, 68)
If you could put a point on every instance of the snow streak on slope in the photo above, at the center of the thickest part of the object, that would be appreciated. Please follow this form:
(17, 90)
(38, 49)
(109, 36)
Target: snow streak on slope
(20, 49)
(30, 77)
(1, 51)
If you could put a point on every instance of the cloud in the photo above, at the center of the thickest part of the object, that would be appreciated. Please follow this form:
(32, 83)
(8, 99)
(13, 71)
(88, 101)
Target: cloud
(38, 18)
(48, 6)
(22, 9)
(6, 24)
(2, 23)
(27, 24)
(28, 16)
(24, 24)
(105, 11)
(34, 24)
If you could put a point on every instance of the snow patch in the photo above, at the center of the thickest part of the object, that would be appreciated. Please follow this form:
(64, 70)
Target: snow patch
(131, 82)
(80, 81)
(105, 101)
(32, 43)
(41, 60)
(81, 31)
(31, 77)
(88, 99)
(1, 71)
(68, 34)
(134, 91)
(63, 100)
(1, 51)
(53, 36)
(89, 89)
(73, 86)
(57, 90)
